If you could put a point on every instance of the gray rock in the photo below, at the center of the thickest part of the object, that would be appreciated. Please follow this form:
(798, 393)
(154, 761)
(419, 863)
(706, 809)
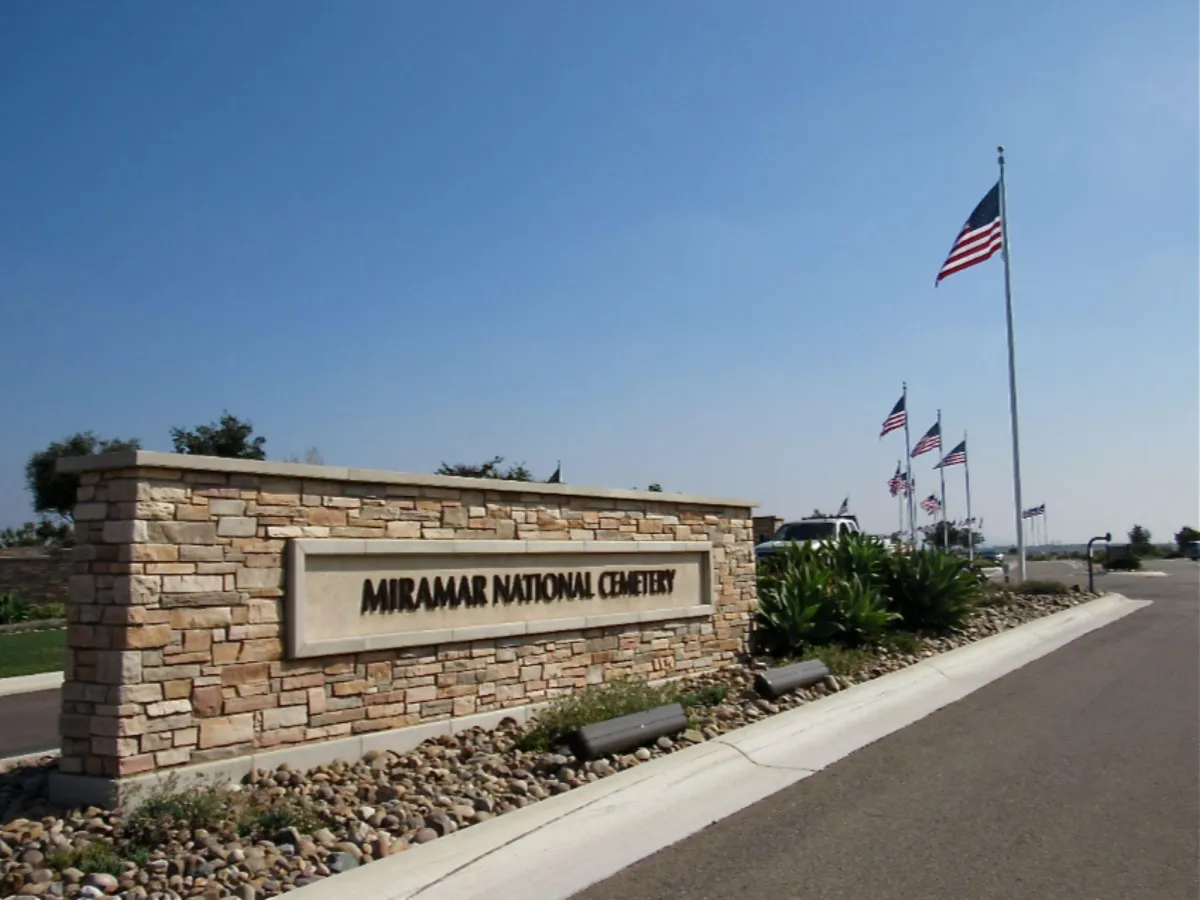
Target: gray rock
(641, 754)
(388, 793)
(72, 876)
(601, 768)
(101, 880)
(441, 823)
(696, 737)
(424, 836)
(664, 743)
(342, 862)
(90, 891)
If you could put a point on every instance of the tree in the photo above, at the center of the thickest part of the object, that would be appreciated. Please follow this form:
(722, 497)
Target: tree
(54, 491)
(229, 437)
(1139, 540)
(655, 488)
(958, 536)
(1185, 536)
(43, 533)
(312, 457)
(490, 469)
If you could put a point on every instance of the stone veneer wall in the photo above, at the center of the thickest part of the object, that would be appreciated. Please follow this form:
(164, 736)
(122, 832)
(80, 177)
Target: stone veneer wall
(35, 574)
(176, 645)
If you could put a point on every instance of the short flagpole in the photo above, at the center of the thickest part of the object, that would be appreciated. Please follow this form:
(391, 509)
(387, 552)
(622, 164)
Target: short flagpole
(942, 472)
(1012, 369)
(967, 477)
(912, 515)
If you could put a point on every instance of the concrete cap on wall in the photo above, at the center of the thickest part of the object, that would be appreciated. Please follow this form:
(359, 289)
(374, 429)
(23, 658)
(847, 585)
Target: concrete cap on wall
(149, 459)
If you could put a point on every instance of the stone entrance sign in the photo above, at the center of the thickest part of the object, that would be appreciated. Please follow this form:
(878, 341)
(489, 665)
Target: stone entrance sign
(348, 596)
(224, 613)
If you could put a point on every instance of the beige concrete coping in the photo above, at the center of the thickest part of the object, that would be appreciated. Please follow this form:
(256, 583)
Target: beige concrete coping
(150, 459)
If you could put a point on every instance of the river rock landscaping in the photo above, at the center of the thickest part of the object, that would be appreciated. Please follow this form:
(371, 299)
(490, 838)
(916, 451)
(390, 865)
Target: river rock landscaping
(282, 829)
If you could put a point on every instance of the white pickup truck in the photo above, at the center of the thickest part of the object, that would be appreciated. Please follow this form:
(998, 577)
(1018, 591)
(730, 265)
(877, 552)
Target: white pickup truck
(808, 531)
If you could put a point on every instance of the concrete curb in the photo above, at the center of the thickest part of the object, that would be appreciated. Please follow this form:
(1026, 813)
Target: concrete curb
(533, 852)
(8, 762)
(30, 684)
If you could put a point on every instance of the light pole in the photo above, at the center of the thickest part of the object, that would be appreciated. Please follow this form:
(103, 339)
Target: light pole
(1106, 537)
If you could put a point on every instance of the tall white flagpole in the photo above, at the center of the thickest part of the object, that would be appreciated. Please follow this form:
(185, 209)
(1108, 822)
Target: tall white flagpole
(1012, 369)
(942, 472)
(912, 515)
(1045, 530)
(967, 476)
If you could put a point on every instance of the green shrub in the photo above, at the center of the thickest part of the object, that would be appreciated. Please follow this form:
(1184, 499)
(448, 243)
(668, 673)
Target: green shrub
(1044, 587)
(794, 602)
(266, 819)
(901, 642)
(840, 661)
(13, 609)
(861, 612)
(709, 695)
(166, 807)
(97, 856)
(814, 595)
(993, 594)
(930, 590)
(856, 556)
(52, 610)
(595, 703)
(1123, 564)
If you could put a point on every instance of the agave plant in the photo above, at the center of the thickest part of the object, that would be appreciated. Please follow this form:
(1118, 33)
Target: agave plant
(930, 589)
(795, 604)
(861, 611)
(858, 555)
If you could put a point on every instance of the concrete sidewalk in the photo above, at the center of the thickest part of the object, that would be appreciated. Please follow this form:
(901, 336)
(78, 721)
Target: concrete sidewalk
(534, 852)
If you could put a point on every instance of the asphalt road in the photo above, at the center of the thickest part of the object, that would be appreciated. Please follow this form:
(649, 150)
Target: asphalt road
(1077, 776)
(28, 723)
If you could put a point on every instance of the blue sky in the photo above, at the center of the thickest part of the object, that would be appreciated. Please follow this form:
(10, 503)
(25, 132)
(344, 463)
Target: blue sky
(683, 242)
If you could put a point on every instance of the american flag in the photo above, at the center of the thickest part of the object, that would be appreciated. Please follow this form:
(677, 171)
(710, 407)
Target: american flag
(931, 440)
(930, 504)
(898, 483)
(844, 509)
(1034, 511)
(896, 418)
(979, 239)
(956, 457)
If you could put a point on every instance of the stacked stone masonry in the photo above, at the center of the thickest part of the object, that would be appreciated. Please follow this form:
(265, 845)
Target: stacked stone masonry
(176, 650)
(36, 575)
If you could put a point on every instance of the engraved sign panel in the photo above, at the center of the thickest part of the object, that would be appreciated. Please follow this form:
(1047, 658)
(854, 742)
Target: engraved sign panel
(347, 596)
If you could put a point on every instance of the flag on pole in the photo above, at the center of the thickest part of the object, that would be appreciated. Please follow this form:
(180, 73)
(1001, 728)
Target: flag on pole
(979, 239)
(956, 457)
(896, 418)
(556, 478)
(931, 440)
(1034, 511)
(931, 504)
(898, 483)
(844, 509)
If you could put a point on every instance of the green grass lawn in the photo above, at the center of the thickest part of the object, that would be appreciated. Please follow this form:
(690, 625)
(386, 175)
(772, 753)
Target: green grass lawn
(31, 652)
